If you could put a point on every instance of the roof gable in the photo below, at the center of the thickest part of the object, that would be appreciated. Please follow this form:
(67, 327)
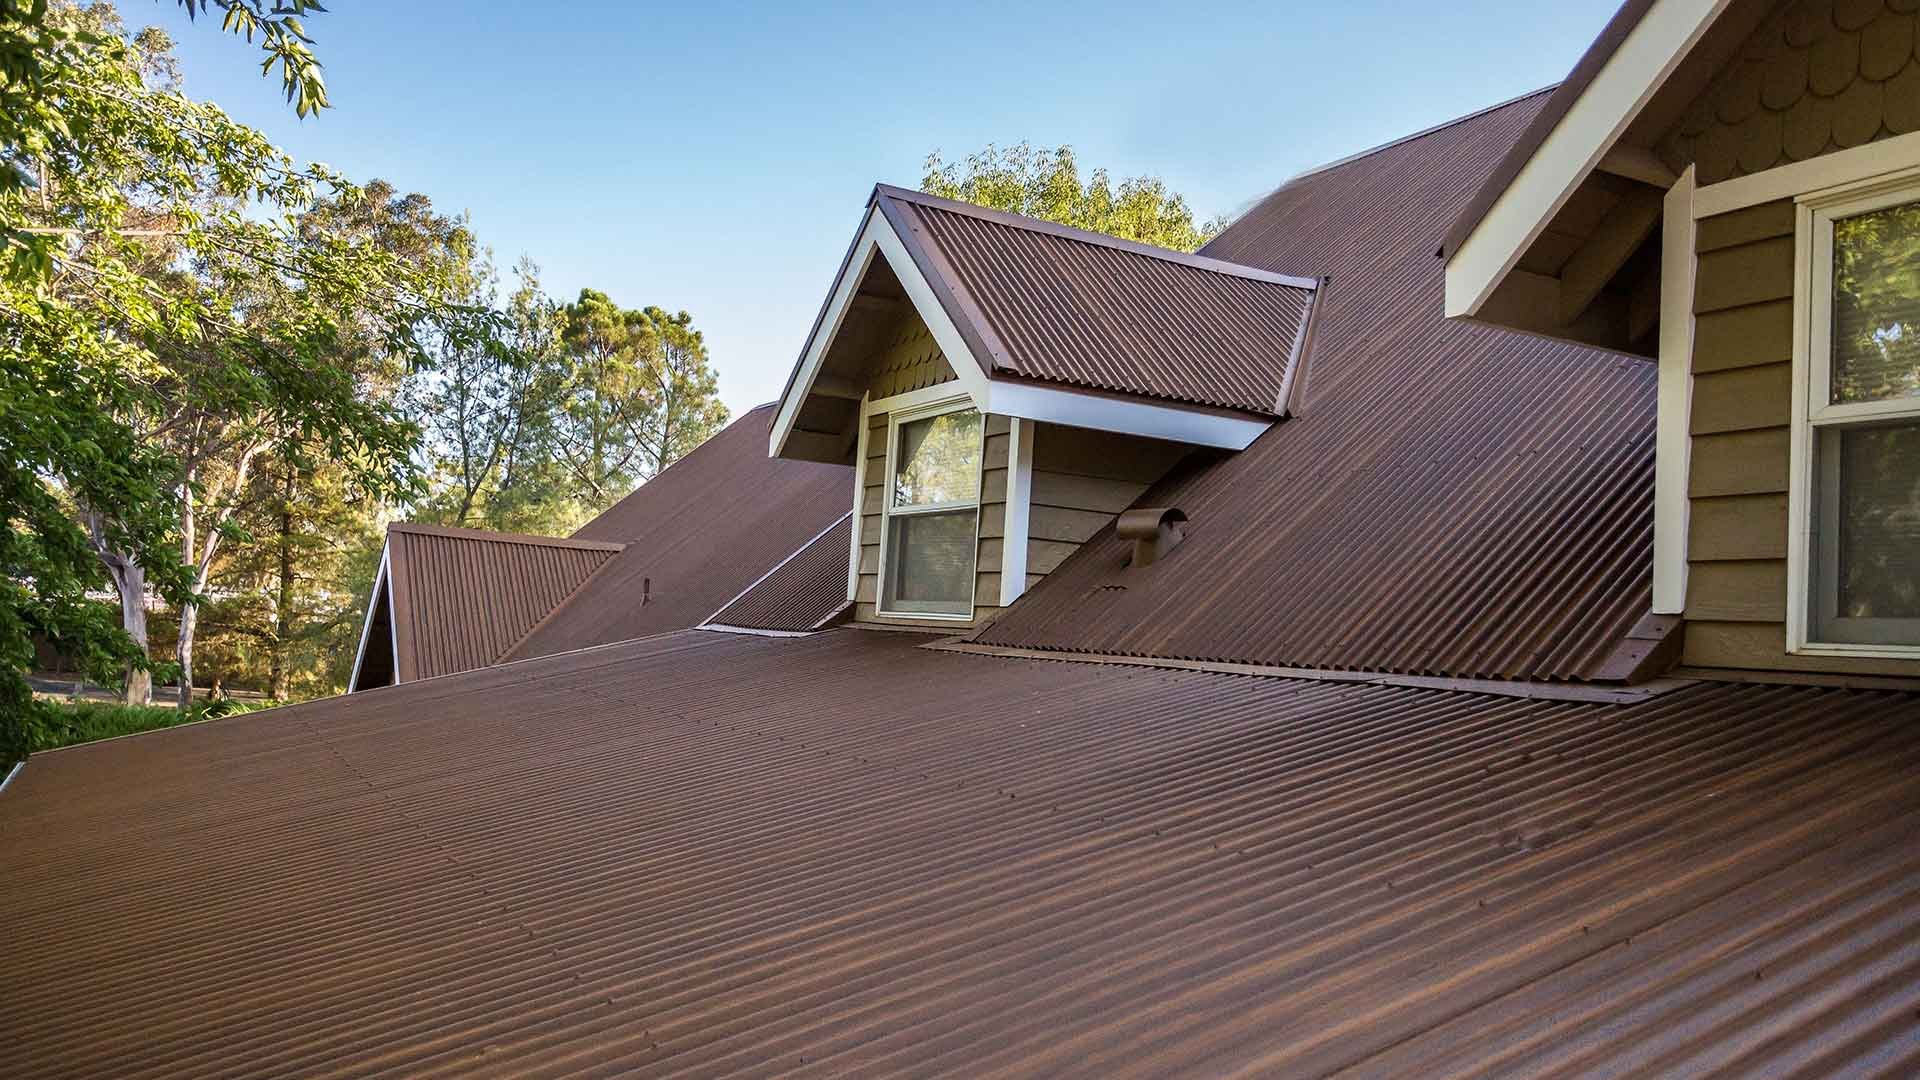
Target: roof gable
(1053, 324)
(457, 599)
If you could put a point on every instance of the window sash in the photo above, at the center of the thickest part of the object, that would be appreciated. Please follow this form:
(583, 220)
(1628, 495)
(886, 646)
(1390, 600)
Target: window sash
(1814, 567)
(888, 512)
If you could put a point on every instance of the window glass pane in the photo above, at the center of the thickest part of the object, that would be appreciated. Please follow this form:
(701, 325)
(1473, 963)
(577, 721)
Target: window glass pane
(1876, 305)
(930, 562)
(1867, 538)
(938, 460)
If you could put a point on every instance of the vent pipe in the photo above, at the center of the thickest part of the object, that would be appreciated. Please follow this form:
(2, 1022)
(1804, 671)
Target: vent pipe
(1154, 531)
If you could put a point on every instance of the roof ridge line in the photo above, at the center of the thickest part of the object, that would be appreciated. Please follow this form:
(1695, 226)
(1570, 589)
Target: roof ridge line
(460, 532)
(1421, 134)
(1096, 239)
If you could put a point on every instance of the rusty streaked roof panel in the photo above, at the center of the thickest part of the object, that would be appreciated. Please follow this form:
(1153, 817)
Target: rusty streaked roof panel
(713, 854)
(462, 596)
(696, 535)
(803, 593)
(1451, 500)
(1060, 305)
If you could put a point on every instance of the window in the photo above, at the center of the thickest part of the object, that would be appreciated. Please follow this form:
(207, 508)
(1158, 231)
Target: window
(931, 512)
(1856, 502)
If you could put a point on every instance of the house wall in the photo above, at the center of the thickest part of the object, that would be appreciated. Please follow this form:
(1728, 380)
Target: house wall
(1736, 601)
(1817, 76)
(1081, 481)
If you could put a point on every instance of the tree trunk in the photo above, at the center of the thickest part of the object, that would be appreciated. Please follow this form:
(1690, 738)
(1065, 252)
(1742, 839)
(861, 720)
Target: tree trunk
(183, 651)
(130, 580)
(280, 674)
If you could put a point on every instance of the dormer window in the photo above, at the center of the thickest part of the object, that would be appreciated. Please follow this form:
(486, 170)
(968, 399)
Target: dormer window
(930, 521)
(1857, 498)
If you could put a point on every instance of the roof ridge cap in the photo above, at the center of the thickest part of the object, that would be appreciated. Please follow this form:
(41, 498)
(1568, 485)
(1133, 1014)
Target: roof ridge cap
(460, 532)
(1095, 239)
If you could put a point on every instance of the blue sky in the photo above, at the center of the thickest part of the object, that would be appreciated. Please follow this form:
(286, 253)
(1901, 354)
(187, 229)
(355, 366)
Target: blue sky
(715, 157)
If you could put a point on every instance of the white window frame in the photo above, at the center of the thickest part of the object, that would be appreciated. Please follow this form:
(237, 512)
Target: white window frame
(1815, 213)
(907, 415)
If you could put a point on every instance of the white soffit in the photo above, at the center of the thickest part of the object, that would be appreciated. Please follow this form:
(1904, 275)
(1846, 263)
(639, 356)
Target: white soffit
(1031, 401)
(1625, 83)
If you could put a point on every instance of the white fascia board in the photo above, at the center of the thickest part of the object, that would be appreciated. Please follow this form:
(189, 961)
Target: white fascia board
(1056, 405)
(876, 237)
(380, 585)
(1631, 76)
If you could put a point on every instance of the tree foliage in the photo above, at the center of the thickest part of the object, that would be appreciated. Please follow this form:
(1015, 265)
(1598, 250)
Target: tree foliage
(1046, 184)
(166, 313)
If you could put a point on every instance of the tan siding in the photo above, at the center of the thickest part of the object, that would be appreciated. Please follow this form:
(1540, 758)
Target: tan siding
(1760, 645)
(1739, 463)
(1742, 399)
(1738, 527)
(1736, 601)
(868, 587)
(993, 498)
(1815, 77)
(1744, 336)
(1746, 591)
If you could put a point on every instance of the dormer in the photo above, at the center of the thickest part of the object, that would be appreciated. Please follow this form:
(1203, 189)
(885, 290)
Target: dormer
(1732, 190)
(1005, 387)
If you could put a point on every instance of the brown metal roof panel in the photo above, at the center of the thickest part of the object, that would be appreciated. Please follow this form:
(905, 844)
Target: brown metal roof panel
(696, 536)
(462, 596)
(803, 593)
(1066, 306)
(1450, 499)
(719, 854)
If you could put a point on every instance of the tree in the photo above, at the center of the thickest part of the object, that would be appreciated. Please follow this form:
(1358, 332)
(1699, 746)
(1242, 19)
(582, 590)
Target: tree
(1046, 184)
(149, 256)
(637, 393)
(484, 410)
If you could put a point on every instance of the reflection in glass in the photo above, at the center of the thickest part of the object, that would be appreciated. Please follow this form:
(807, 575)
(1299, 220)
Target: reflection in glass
(938, 460)
(1867, 540)
(1876, 306)
(930, 562)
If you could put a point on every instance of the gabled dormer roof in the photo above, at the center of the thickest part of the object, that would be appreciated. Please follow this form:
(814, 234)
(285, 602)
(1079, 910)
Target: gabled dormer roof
(1047, 322)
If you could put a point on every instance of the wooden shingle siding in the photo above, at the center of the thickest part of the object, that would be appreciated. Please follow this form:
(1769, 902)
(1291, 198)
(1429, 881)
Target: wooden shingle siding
(908, 359)
(1816, 76)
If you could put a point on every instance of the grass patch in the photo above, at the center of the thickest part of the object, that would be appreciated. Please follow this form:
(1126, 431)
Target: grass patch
(69, 723)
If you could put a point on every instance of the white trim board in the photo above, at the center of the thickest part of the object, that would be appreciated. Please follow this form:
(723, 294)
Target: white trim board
(1673, 440)
(1863, 163)
(1001, 397)
(1013, 535)
(776, 566)
(1604, 110)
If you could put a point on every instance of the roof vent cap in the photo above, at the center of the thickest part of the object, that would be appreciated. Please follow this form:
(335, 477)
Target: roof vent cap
(1154, 531)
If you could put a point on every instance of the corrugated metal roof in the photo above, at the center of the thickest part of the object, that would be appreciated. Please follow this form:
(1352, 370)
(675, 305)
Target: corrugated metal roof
(462, 596)
(1054, 304)
(802, 593)
(712, 854)
(696, 535)
(1451, 499)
